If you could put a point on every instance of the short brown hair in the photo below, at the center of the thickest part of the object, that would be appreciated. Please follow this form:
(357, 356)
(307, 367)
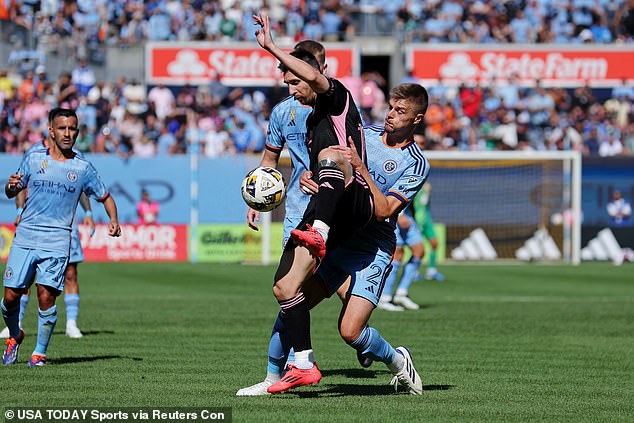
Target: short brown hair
(314, 48)
(415, 93)
(303, 55)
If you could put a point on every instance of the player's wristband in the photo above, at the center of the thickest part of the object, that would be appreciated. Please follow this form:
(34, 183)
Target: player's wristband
(19, 211)
(88, 213)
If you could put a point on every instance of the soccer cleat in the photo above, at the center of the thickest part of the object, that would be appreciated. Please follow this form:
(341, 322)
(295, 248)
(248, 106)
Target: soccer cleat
(407, 377)
(296, 377)
(387, 305)
(434, 275)
(406, 302)
(439, 277)
(311, 240)
(365, 362)
(36, 361)
(72, 331)
(10, 355)
(255, 390)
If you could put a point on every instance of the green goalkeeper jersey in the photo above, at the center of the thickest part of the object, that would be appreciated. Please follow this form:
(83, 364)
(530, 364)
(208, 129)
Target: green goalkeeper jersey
(421, 205)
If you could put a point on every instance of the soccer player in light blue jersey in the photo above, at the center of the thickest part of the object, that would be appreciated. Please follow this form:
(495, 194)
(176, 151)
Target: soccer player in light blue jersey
(54, 180)
(71, 284)
(397, 169)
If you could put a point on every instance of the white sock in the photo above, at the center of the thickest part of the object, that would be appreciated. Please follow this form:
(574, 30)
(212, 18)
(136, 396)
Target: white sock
(304, 359)
(397, 363)
(401, 292)
(322, 228)
(385, 298)
(272, 377)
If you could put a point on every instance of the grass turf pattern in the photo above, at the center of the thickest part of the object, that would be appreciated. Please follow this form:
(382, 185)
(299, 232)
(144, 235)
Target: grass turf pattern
(493, 343)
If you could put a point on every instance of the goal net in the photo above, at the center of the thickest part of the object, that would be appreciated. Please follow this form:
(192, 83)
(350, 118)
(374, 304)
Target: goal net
(499, 205)
(508, 205)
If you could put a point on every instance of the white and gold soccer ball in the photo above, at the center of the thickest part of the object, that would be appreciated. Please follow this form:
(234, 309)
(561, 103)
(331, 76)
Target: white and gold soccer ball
(263, 189)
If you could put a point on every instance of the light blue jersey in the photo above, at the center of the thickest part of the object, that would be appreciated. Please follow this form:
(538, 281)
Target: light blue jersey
(287, 125)
(53, 190)
(76, 251)
(397, 172)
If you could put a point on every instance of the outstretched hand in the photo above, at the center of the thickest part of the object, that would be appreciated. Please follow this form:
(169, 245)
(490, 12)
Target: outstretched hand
(263, 35)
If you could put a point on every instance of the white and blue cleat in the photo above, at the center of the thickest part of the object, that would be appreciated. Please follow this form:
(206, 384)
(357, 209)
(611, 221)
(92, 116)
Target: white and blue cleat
(407, 378)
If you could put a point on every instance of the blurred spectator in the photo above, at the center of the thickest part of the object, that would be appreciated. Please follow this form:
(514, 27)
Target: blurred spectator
(619, 210)
(85, 139)
(163, 100)
(66, 92)
(83, 77)
(147, 209)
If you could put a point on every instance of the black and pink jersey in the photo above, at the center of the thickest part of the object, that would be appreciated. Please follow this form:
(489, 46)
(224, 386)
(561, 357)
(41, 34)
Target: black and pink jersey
(334, 118)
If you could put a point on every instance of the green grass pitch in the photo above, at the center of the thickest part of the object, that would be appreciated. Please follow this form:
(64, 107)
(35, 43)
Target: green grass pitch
(493, 343)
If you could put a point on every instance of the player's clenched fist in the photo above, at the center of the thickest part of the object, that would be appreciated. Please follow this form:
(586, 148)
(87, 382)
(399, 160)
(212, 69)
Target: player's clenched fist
(15, 180)
(114, 229)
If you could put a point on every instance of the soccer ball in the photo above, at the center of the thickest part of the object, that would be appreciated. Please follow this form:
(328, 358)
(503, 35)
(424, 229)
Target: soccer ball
(263, 189)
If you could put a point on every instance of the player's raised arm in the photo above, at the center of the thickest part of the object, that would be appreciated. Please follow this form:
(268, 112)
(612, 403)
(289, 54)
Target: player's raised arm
(114, 229)
(317, 81)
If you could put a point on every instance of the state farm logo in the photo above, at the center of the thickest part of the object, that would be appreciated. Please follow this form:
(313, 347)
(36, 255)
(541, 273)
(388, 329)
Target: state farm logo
(228, 64)
(539, 65)
(459, 66)
(235, 63)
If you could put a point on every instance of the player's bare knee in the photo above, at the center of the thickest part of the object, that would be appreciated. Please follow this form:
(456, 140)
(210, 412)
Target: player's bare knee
(11, 297)
(349, 333)
(283, 292)
(434, 243)
(333, 159)
(398, 254)
(71, 273)
(418, 250)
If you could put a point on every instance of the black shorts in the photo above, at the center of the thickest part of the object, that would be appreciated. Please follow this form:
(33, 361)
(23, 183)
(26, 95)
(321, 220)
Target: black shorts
(354, 211)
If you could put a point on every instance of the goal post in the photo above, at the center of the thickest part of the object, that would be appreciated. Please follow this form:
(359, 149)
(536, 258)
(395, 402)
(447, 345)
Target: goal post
(520, 201)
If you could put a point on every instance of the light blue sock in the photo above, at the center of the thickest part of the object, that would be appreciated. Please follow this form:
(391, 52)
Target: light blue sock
(11, 319)
(372, 345)
(388, 288)
(410, 272)
(24, 301)
(279, 347)
(45, 324)
(72, 306)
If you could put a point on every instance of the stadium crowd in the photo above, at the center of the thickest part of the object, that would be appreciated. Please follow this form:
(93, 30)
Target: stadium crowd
(126, 118)
(87, 23)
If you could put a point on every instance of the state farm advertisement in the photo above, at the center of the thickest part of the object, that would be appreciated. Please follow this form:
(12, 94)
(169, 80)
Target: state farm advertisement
(136, 243)
(237, 64)
(567, 66)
